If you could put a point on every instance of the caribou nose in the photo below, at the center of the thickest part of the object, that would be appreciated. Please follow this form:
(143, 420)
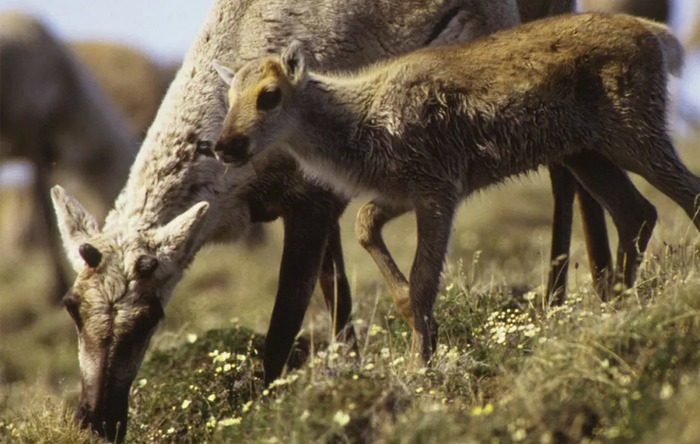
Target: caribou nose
(81, 415)
(108, 422)
(233, 149)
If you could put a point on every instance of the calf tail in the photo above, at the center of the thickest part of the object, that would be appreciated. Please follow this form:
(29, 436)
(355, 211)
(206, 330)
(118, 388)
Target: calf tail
(671, 47)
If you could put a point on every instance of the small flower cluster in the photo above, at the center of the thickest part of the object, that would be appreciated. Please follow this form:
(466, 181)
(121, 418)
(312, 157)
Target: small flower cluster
(8, 428)
(224, 358)
(510, 327)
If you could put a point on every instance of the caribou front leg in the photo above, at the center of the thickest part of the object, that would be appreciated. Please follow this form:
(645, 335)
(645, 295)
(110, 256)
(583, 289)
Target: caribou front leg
(434, 217)
(336, 289)
(305, 238)
(368, 229)
(563, 190)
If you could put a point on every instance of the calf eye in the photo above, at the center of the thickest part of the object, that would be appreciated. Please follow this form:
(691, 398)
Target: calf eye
(269, 98)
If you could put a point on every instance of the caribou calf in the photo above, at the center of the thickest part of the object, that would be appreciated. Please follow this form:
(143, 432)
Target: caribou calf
(424, 130)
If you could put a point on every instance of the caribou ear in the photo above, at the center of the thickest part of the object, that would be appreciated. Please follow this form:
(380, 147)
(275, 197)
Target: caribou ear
(90, 255)
(175, 240)
(294, 61)
(225, 72)
(75, 224)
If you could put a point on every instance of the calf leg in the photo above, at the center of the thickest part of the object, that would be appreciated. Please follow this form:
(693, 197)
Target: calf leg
(633, 215)
(661, 167)
(368, 229)
(563, 189)
(595, 234)
(335, 287)
(434, 219)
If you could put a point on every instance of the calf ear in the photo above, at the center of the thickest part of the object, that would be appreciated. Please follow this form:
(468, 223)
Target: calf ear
(225, 72)
(294, 62)
(176, 240)
(75, 224)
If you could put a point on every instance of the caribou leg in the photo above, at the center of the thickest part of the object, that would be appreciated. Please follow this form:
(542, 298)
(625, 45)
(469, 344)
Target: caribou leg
(336, 288)
(368, 229)
(633, 215)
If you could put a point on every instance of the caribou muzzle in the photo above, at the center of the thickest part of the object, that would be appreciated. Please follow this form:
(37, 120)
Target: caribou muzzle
(108, 417)
(234, 150)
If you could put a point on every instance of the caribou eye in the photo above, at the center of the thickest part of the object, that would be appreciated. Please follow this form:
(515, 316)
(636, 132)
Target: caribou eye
(269, 98)
(204, 148)
(148, 318)
(155, 310)
(72, 303)
(146, 266)
(90, 255)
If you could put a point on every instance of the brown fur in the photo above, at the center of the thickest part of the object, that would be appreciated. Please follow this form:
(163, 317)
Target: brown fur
(429, 128)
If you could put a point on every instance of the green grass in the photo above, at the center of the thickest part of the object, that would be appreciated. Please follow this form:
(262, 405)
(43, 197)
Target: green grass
(508, 367)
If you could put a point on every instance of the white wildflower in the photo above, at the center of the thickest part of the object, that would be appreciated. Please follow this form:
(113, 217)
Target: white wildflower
(341, 418)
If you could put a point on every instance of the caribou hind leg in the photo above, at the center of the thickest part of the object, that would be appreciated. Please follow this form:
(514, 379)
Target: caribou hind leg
(662, 168)
(595, 234)
(634, 216)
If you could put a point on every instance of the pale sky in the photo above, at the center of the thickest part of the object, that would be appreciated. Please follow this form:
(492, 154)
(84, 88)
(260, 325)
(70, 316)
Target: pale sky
(165, 28)
(162, 28)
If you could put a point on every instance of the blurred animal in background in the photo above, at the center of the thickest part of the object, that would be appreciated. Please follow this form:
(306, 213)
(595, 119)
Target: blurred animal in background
(693, 40)
(57, 116)
(657, 10)
(132, 80)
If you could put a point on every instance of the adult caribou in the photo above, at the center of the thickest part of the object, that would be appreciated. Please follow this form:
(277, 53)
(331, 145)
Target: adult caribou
(179, 196)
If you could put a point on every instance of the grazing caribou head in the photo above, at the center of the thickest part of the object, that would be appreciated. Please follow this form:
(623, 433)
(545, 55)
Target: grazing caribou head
(117, 302)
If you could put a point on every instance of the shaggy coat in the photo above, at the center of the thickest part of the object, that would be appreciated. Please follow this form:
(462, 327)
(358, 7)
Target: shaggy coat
(426, 129)
(178, 196)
